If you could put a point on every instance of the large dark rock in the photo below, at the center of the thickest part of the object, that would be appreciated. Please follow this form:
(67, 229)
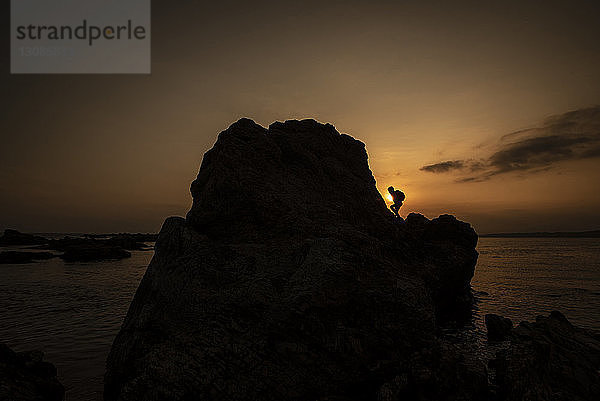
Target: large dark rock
(291, 280)
(24, 376)
(15, 238)
(549, 360)
(498, 327)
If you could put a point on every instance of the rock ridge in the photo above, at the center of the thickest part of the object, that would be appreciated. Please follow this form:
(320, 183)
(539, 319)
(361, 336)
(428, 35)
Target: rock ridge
(289, 279)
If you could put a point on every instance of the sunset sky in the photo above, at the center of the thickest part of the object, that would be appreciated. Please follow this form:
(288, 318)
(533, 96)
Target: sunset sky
(487, 110)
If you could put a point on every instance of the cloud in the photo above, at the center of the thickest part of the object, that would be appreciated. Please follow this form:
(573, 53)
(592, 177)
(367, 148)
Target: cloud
(444, 166)
(571, 136)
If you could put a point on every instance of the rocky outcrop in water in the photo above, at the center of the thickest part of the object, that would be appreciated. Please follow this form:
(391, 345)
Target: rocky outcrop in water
(90, 250)
(73, 249)
(290, 279)
(24, 376)
(16, 238)
(94, 253)
(549, 360)
(130, 242)
(498, 327)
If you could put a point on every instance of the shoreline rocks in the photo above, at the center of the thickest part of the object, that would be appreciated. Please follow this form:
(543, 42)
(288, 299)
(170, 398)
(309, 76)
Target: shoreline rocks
(25, 376)
(92, 247)
(498, 327)
(549, 359)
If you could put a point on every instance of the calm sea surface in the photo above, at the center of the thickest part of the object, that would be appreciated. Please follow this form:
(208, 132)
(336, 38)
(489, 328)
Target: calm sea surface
(72, 311)
(521, 278)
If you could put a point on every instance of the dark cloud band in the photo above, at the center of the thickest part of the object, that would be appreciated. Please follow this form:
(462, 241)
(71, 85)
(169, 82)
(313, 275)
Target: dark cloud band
(571, 136)
(444, 166)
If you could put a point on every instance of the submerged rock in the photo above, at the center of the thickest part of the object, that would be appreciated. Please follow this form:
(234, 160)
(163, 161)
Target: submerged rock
(24, 376)
(498, 327)
(291, 280)
(549, 359)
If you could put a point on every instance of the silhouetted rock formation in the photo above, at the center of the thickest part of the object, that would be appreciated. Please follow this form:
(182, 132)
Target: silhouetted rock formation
(24, 376)
(17, 257)
(498, 327)
(549, 359)
(291, 280)
(90, 248)
(446, 247)
(14, 237)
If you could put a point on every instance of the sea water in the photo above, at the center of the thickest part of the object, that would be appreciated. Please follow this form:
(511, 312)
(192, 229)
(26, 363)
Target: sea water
(521, 278)
(70, 311)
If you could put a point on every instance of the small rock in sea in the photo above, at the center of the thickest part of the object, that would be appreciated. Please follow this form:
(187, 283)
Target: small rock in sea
(90, 249)
(498, 327)
(24, 376)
